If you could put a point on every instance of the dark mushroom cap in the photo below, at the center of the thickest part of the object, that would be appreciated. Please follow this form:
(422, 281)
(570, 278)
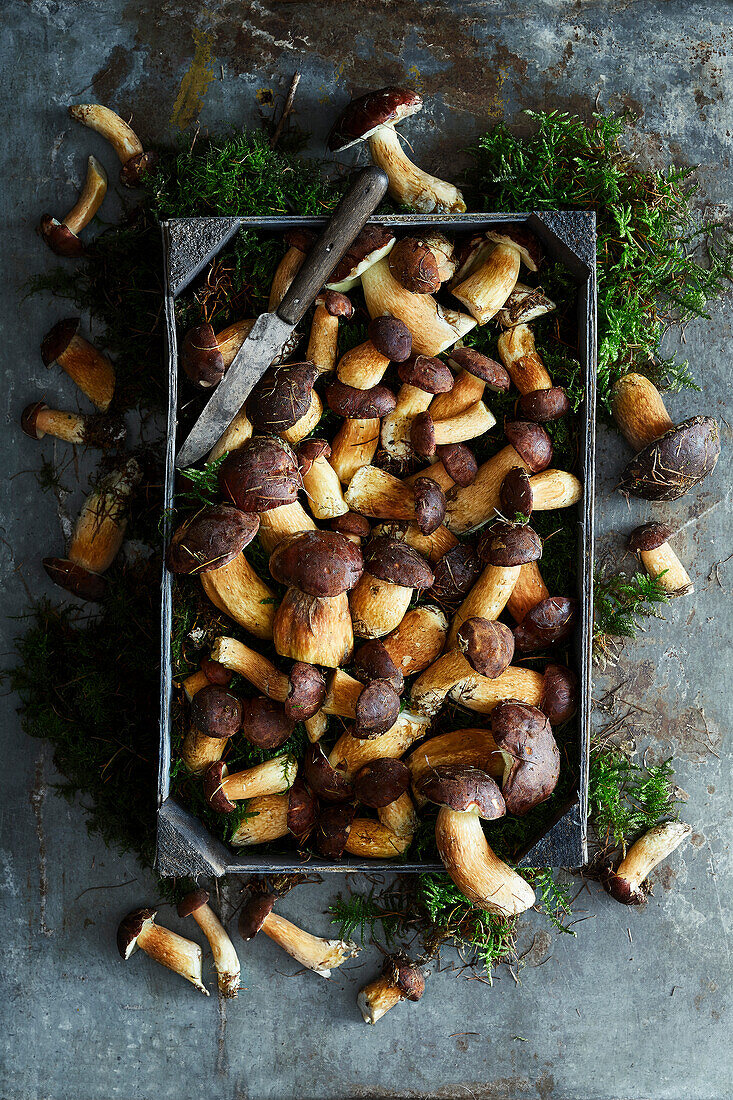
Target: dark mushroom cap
(505, 544)
(427, 373)
(211, 539)
(621, 889)
(381, 781)
(57, 339)
(76, 579)
(367, 112)
(306, 692)
(337, 304)
(201, 359)
(559, 694)
(459, 462)
(326, 781)
(373, 662)
(264, 722)
(60, 238)
(260, 475)
(422, 435)
(675, 463)
(254, 913)
(214, 776)
(215, 712)
(351, 523)
(515, 495)
(391, 337)
(192, 902)
(463, 788)
(377, 709)
(649, 536)
(301, 238)
(321, 563)
(455, 574)
(281, 397)
(397, 563)
(130, 928)
(531, 442)
(531, 755)
(134, 170)
(356, 404)
(522, 239)
(333, 828)
(371, 240)
(302, 810)
(541, 405)
(29, 416)
(414, 266)
(216, 673)
(549, 622)
(488, 370)
(488, 646)
(405, 974)
(310, 450)
(430, 505)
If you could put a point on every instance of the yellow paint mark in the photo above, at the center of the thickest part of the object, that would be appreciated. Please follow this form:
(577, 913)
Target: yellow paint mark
(265, 97)
(196, 80)
(414, 79)
(495, 105)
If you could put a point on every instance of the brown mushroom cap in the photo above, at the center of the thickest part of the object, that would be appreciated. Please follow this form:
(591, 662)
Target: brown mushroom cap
(214, 776)
(559, 694)
(455, 574)
(254, 913)
(201, 359)
(373, 662)
(306, 692)
(130, 928)
(372, 239)
(260, 475)
(649, 536)
(356, 404)
(675, 463)
(309, 451)
(57, 339)
(377, 710)
(29, 417)
(488, 646)
(405, 974)
(391, 337)
(381, 781)
(301, 238)
(76, 579)
(326, 781)
(430, 505)
(506, 545)
(463, 788)
(397, 563)
(541, 405)
(192, 902)
(211, 539)
(302, 810)
(136, 168)
(488, 370)
(531, 442)
(333, 828)
(364, 114)
(321, 563)
(216, 673)
(621, 889)
(414, 266)
(523, 240)
(422, 435)
(427, 373)
(338, 305)
(216, 712)
(264, 722)
(351, 523)
(459, 461)
(549, 622)
(531, 755)
(516, 495)
(59, 238)
(281, 397)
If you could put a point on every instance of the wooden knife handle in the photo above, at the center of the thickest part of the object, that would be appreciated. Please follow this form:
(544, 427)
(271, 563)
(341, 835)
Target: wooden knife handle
(349, 218)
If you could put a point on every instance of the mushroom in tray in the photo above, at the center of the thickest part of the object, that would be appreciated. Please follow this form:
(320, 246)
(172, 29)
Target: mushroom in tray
(316, 954)
(320, 481)
(356, 441)
(282, 397)
(299, 242)
(216, 715)
(550, 622)
(524, 304)
(372, 244)
(301, 692)
(475, 374)
(196, 905)
(401, 980)
(184, 957)
(389, 342)
(422, 377)
(415, 266)
(331, 309)
(531, 758)
(62, 237)
(274, 816)
(92, 371)
(392, 572)
(338, 830)
(383, 785)
(626, 883)
(671, 459)
(490, 269)
(136, 163)
(222, 791)
(651, 543)
(466, 795)
(38, 420)
(374, 116)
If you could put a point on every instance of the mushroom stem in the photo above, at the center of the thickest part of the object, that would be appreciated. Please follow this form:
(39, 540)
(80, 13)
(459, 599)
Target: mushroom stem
(90, 431)
(233, 437)
(174, 952)
(490, 280)
(121, 137)
(303, 427)
(451, 677)
(226, 959)
(342, 695)
(254, 666)
(272, 777)
(433, 328)
(431, 547)
(199, 751)
(374, 840)
(554, 489)
(374, 492)
(316, 726)
(488, 597)
(287, 269)
(378, 997)
(323, 340)
(354, 446)
(351, 753)
(641, 859)
(467, 390)
(90, 199)
(400, 817)
(521, 359)
(87, 367)
(323, 489)
(639, 411)
(418, 640)
(529, 590)
(266, 819)
(467, 424)
(408, 184)
(314, 629)
(236, 590)
(477, 872)
(411, 401)
(362, 367)
(317, 954)
(278, 524)
(194, 683)
(100, 528)
(663, 564)
(377, 606)
(472, 747)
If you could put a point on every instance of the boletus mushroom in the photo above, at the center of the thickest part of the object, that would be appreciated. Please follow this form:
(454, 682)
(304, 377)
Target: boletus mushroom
(650, 542)
(62, 237)
(331, 309)
(626, 883)
(316, 954)
(422, 377)
(550, 622)
(490, 269)
(184, 957)
(401, 980)
(522, 360)
(524, 304)
(531, 758)
(363, 366)
(136, 162)
(38, 420)
(415, 266)
(356, 441)
(216, 715)
(281, 397)
(87, 367)
(273, 816)
(222, 791)
(380, 599)
(196, 905)
(474, 374)
(373, 243)
(320, 481)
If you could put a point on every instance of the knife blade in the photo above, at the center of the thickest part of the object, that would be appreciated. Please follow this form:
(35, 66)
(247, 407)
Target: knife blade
(271, 330)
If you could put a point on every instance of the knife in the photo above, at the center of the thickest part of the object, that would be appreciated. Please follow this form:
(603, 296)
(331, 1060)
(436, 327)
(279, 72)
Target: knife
(271, 330)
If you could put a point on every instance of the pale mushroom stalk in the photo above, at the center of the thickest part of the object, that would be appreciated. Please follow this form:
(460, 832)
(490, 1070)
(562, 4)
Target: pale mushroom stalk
(529, 590)
(467, 390)
(226, 959)
(625, 883)
(234, 436)
(639, 411)
(102, 522)
(254, 666)
(354, 446)
(314, 952)
(236, 589)
(395, 435)
(489, 281)
(184, 957)
(488, 597)
(286, 271)
(451, 677)
(86, 366)
(193, 683)
(378, 606)
(39, 420)
(272, 777)
(521, 358)
(409, 184)
(62, 237)
(663, 564)
(376, 493)
(278, 524)
(323, 340)
(372, 839)
(314, 629)
(400, 817)
(323, 489)
(473, 747)
(476, 870)
(432, 547)
(351, 753)
(266, 819)
(123, 139)
(400, 980)
(418, 640)
(467, 424)
(471, 507)
(307, 422)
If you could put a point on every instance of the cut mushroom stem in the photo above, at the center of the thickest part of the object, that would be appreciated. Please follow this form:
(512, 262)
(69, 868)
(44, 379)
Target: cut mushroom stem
(625, 884)
(471, 507)
(87, 367)
(278, 524)
(184, 957)
(216, 715)
(321, 482)
(254, 666)
(376, 493)
(401, 979)
(63, 237)
(274, 776)
(123, 139)
(427, 434)
(226, 959)
(237, 590)
(522, 360)
(650, 543)
(452, 678)
(316, 954)
(350, 753)
(380, 599)
(39, 420)
(374, 840)
(400, 817)
(418, 640)
(266, 819)
(475, 868)
(529, 590)
(354, 446)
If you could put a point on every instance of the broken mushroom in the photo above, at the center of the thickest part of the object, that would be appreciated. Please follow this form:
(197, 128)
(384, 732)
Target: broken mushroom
(401, 980)
(226, 961)
(136, 163)
(626, 883)
(422, 377)
(62, 237)
(274, 776)
(184, 957)
(87, 367)
(489, 271)
(650, 542)
(316, 954)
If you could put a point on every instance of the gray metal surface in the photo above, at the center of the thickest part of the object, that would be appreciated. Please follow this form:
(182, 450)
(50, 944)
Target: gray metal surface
(635, 1007)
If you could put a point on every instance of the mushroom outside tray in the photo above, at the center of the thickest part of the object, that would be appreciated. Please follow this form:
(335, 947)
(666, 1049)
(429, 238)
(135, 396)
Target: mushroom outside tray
(184, 845)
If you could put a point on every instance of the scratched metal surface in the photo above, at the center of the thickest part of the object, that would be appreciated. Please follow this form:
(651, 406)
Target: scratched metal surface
(635, 1006)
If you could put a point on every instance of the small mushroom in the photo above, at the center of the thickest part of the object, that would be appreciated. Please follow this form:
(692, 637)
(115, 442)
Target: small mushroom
(184, 957)
(222, 791)
(381, 781)
(338, 830)
(381, 495)
(329, 783)
(377, 709)
(216, 715)
(418, 640)
(316, 954)
(38, 420)
(432, 547)
(87, 367)
(487, 646)
(650, 542)
(359, 404)
(672, 459)
(281, 397)
(392, 572)
(489, 272)
(626, 883)
(265, 723)
(299, 242)
(62, 237)
(427, 434)
(363, 367)
(306, 691)
(372, 661)
(401, 980)
(543, 405)
(414, 266)
(550, 622)
(226, 961)
(372, 244)
(524, 304)
(355, 527)
(475, 373)
(430, 505)
(422, 376)
(320, 480)
(531, 757)
(559, 694)
(374, 116)
(136, 163)
(516, 496)
(522, 360)
(274, 816)
(331, 309)
(351, 753)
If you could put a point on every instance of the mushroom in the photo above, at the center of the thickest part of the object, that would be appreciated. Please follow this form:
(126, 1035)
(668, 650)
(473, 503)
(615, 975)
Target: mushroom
(87, 367)
(210, 545)
(650, 542)
(316, 954)
(389, 342)
(392, 572)
(521, 359)
(430, 505)
(489, 273)
(265, 723)
(427, 434)
(529, 590)
(544, 405)
(555, 489)
(372, 661)
(400, 818)
(516, 496)
(548, 623)
(414, 266)
(320, 480)
(274, 776)
(455, 465)
(376, 711)
(234, 436)
(38, 420)
(313, 622)
(210, 672)
(196, 905)
(136, 163)
(206, 356)
(672, 459)
(354, 446)
(473, 746)
(274, 816)
(372, 244)
(421, 377)
(559, 694)
(381, 495)
(184, 957)
(401, 980)
(531, 757)
(431, 546)
(354, 526)
(443, 252)
(331, 309)
(625, 884)
(235, 656)
(524, 304)
(466, 795)
(487, 646)
(327, 782)
(62, 236)
(370, 839)
(97, 536)
(216, 715)
(475, 372)
(452, 678)
(374, 116)
(455, 573)
(281, 397)
(351, 753)
(299, 242)
(434, 327)
(381, 781)
(418, 640)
